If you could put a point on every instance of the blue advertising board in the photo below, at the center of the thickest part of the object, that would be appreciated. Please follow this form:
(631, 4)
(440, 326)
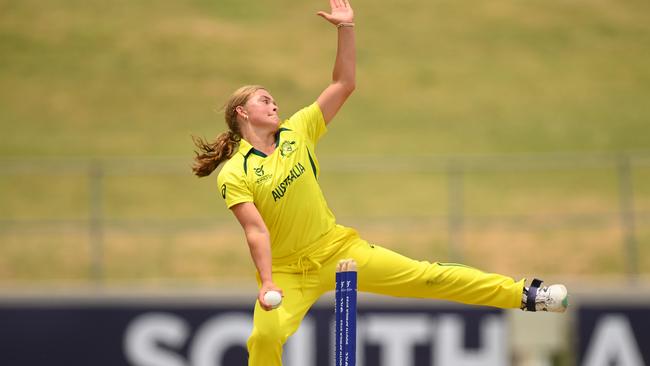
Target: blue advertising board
(174, 333)
(613, 335)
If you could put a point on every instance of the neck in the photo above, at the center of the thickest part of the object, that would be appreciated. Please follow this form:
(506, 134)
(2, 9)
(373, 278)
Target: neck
(262, 141)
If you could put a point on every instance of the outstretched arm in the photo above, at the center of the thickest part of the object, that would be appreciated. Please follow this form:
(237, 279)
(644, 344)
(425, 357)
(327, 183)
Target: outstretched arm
(343, 77)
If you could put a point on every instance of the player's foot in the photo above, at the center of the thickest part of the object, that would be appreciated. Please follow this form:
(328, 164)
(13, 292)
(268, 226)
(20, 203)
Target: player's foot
(554, 298)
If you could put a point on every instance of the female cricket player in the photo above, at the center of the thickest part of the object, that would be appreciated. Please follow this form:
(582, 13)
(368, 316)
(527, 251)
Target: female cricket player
(270, 182)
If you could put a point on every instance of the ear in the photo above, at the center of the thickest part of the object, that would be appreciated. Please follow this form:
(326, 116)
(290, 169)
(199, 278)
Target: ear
(241, 112)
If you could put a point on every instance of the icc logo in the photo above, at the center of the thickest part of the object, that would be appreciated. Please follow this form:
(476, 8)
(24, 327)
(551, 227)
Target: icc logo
(259, 171)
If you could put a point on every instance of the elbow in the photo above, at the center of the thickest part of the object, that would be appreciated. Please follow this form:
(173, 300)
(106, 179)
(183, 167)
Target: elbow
(345, 84)
(349, 86)
(255, 233)
(352, 86)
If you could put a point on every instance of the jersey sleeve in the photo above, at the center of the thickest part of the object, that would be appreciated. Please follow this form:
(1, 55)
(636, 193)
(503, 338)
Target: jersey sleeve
(309, 121)
(233, 187)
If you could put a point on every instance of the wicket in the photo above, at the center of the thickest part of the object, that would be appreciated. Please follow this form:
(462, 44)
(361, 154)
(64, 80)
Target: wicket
(345, 311)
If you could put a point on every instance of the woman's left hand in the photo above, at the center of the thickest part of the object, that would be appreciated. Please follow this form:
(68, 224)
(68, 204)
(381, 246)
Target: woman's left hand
(341, 12)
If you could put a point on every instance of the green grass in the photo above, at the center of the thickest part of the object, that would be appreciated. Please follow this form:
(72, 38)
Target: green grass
(443, 76)
(122, 78)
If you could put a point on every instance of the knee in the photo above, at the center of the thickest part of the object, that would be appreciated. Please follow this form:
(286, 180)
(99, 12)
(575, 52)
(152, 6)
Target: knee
(267, 337)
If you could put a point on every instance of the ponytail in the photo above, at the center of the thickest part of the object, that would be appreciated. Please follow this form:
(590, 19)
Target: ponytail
(211, 154)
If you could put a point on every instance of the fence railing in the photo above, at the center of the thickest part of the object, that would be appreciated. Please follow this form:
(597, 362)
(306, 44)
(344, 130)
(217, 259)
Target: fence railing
(629, 170)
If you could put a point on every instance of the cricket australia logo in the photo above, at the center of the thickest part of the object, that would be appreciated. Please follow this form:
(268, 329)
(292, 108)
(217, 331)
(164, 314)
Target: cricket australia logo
(287, 148)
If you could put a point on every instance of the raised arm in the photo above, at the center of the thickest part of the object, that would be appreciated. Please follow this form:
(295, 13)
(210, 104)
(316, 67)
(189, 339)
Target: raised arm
(259, 243)
(343, 76)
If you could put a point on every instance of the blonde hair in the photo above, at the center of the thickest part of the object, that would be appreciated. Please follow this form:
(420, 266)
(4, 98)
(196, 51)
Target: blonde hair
(213, 153)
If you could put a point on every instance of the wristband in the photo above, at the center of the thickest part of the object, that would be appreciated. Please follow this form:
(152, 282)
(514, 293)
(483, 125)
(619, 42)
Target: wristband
(340, 25)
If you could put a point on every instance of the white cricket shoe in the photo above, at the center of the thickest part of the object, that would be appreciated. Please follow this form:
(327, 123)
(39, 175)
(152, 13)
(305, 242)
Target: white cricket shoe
(554, 298)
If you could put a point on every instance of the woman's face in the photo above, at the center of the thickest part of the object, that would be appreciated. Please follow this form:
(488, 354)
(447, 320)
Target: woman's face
(262, 110)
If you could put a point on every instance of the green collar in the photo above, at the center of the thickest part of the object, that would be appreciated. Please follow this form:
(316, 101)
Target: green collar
(245, 148)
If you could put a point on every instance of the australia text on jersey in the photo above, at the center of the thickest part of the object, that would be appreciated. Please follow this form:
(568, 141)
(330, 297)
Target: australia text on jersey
(281, 189)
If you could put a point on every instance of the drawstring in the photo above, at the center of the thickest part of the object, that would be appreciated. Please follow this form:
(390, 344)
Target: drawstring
(304, 266)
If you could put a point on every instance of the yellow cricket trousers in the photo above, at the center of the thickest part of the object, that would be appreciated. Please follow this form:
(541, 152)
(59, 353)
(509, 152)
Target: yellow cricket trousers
(381, 271)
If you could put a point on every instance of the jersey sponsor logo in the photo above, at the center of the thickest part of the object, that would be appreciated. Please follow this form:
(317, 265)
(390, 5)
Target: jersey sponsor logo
(223, 190)
(281, 189)
(287, 148)
(259, 171)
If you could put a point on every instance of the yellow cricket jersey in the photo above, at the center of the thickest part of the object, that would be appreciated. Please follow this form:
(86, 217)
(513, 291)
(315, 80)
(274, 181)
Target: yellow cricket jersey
(284, 185)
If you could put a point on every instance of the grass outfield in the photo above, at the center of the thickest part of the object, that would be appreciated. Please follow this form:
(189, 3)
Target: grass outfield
(119, 79)
(136, 78)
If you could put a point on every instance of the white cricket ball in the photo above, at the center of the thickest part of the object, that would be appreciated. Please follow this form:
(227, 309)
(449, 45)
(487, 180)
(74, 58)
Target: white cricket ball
(273, 299)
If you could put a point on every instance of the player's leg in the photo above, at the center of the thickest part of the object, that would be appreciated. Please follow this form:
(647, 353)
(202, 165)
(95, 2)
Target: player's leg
(386, 272)
(272, 328)
(393, 274)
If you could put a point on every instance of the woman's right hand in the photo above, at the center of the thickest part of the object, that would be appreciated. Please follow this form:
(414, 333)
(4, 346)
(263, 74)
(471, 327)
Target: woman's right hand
(266, 287)
(341, 12)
